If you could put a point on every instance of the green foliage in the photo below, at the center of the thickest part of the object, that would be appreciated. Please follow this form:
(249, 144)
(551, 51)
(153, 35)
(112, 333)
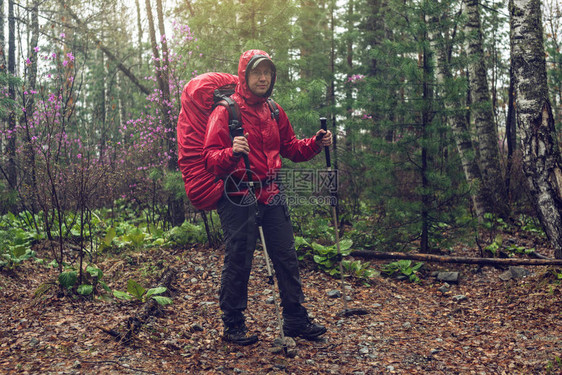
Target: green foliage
(327, 257)
(15, 241)
(173, 184)
(492, 222)
(92, 278)
(7, 104)
(139, 293)
(531, 225)
(554, 366)
(187, 233)
(358, 269)
(403, 267)
(495, 246)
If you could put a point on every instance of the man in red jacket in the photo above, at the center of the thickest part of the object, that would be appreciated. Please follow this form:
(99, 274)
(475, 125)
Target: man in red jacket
(265, 140)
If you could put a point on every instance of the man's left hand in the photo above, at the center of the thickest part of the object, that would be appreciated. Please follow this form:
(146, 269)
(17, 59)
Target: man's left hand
(323, 138)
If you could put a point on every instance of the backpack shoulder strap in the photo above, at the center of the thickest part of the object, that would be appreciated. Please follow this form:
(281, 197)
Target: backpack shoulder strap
(274, 109)
(234, 122)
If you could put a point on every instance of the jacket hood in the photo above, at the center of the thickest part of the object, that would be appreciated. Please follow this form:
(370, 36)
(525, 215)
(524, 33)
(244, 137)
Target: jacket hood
(248, 60)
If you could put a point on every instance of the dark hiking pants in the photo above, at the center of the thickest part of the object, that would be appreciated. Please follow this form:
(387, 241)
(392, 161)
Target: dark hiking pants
(239, 225)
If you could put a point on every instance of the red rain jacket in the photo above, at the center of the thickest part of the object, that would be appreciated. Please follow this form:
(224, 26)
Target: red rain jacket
(268, 139)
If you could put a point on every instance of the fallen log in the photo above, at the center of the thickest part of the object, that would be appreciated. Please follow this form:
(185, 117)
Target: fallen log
(150, 308)
(451, 259)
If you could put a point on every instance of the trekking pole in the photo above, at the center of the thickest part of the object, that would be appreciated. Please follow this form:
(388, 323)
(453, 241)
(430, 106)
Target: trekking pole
(270, 279)
(333, 203)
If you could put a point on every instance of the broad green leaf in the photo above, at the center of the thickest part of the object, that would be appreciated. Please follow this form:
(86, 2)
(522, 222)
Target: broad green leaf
(135, 289)
(162, 300)
(109, 236)
(345, 244)
(94, 271)
(319, 259)
(85, 289)
(158, 290)
(122, 295)
(18, 251)
(68, 278)
(317, 247)
(105, 287)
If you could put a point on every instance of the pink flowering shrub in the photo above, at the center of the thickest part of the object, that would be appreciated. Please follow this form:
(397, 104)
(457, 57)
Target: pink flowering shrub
(60, 166)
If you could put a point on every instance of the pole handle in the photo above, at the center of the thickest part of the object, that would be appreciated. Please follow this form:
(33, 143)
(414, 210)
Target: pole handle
(324, 126)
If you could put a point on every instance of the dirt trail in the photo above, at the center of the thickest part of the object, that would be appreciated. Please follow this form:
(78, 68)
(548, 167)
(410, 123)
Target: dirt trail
(483, 325)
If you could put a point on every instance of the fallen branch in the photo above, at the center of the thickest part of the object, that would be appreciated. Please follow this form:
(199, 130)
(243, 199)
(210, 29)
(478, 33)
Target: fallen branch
(465, 260)
(150, 308)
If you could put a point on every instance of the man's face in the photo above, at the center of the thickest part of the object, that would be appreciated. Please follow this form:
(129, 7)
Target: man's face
(259, 78)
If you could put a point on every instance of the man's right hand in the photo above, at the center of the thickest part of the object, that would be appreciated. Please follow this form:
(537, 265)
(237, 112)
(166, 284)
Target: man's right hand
(240, 146)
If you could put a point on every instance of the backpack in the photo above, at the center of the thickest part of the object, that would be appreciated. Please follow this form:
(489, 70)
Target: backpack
(199, 98)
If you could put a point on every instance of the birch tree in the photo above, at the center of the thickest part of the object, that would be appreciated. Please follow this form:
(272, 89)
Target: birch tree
(482, 111)
(542, 162)
(441, 41)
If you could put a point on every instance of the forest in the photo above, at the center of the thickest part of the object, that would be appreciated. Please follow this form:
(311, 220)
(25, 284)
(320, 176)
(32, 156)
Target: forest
(445, 227)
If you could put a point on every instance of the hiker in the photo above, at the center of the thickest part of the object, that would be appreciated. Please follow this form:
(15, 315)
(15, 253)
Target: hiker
(266, 139)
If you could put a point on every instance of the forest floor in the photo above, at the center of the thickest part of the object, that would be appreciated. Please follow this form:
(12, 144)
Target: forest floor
(481, 325)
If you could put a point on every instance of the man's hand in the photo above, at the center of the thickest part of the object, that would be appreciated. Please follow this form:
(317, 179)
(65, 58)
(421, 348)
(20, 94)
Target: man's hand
(240, 146)
(323, 138)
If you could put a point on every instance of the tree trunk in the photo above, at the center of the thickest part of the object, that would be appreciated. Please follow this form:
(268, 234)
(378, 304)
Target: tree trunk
(171, 139)
(29, 100)
(426, 116)
(542, 163)
(458, 125)
(492, 181)
(139, 35)
(175, 205)
(2, 64)
(510, 131)
(11, 144)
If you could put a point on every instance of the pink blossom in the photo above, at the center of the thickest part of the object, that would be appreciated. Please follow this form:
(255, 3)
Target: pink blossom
(36, 49)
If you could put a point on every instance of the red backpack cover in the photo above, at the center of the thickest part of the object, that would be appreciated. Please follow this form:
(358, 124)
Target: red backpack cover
(197, 103)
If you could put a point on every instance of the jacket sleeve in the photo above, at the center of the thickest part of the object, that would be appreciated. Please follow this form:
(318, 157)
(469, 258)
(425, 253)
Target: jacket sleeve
(217, 148)
(294, 149)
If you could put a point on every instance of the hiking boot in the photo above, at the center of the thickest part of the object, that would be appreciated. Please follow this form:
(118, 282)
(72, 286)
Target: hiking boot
(239, 335)
(306, 329)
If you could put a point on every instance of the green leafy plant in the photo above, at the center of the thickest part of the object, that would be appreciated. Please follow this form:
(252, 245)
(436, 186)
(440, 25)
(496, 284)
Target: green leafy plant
(134, 237)
(139, 293)
(554, 366)
(327, 257)
(91, 279)
(107, 239)
(403, 267)
(515, 249)
(15, 243)
(495, 246)
(361, 270)
(302, 246)
(531, 225)
(187, 233)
